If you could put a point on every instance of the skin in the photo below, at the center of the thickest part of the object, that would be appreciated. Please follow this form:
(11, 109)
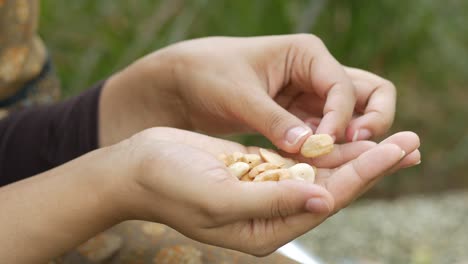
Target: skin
(166, 175)
(265, 84)
(145, 178)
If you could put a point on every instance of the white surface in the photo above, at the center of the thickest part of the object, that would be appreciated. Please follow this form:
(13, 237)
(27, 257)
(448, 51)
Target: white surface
(293, 250)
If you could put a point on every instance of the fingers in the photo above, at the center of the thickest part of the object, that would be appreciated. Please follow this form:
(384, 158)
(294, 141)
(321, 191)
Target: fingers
(264, 200)
(315, 70)
(347, 182)
(341, 154)
(410, 144)
(414, 158)
(377, 97)
(336, 113)
(406, 141)
(260, 112)
(344, 185)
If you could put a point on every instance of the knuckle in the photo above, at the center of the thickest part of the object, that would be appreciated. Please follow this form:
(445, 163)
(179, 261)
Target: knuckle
(357, 169)
(389, 87)
(309, 39)
(389, 84)
(274, 120)
(353, 92)
(149, 135)
(381, 123)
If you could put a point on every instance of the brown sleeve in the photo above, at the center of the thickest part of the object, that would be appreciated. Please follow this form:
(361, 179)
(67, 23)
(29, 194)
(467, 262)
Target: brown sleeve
(40, 138)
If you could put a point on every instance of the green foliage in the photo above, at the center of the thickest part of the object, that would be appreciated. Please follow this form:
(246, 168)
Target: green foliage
(421, 45)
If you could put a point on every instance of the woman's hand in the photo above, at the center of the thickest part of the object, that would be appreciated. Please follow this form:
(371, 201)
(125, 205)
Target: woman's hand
(177, 180)
(279, 86)
(173, 177)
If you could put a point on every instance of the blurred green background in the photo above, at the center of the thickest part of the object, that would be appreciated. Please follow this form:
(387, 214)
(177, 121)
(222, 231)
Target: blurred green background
(420, 45)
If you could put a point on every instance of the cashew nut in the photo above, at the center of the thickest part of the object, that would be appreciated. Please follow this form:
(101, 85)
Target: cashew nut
(261, 168)
(272, 157)
(302, 170)
(238, 169)
(317, 145)
(272, 175)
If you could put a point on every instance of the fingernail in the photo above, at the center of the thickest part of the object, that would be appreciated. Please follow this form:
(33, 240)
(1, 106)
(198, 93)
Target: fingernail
(403, 153)
(295, 134)
(362, 134)
(317, 205)
(412, 165)
(356, 135)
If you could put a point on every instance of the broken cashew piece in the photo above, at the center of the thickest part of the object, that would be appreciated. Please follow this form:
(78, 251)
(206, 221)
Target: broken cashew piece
(251, 159)
(246, 177)
(303, 171)
(268, 166)
(223, 158)
(317, 145)
(289, 176)
(272, 175)
(272, 157)
(238, 169)
(288, 163)
(233, 158)
(261, 168)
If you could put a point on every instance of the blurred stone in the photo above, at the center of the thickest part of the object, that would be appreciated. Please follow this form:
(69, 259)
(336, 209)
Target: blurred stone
(180, 254)
(153, 229)
(100, 247)
(146, 242)
(415, 229)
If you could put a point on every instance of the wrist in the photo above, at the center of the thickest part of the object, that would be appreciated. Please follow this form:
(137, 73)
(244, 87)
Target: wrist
(124, 172)
(110, 179)
(163, 94)
(144, 158)
(141, 96)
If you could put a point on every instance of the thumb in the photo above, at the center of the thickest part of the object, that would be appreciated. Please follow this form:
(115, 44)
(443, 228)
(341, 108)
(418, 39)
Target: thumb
(283, 129)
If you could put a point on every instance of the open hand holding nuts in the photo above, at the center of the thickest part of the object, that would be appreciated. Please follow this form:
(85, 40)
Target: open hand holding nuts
(270, 166)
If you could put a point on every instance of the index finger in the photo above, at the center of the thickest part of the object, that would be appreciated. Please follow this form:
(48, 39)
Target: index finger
(318, 70)
(377, 97)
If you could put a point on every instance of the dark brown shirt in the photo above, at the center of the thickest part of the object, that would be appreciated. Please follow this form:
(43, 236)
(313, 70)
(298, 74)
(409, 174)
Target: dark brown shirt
(40, 138)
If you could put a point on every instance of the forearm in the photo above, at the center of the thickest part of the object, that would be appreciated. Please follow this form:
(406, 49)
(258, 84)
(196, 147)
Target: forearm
(43, 216)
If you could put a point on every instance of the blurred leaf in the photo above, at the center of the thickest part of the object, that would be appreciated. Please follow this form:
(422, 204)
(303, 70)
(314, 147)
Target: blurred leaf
(421, 45)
